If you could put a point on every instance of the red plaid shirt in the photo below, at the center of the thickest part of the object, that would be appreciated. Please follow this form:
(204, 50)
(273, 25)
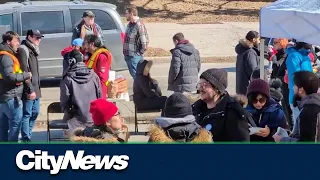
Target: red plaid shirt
(136, 39)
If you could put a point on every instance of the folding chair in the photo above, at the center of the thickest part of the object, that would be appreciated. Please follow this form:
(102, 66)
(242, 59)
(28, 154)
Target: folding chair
(56, 123)
(136, 121)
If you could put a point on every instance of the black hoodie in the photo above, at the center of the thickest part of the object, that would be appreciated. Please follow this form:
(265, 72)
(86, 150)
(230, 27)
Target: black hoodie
(8, 85)
(79, 86)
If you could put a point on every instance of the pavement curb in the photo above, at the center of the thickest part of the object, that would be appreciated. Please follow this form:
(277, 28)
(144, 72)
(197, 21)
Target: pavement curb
(204, 59)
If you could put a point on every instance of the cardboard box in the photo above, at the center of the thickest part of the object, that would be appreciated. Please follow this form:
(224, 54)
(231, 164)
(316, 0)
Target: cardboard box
(116, 87)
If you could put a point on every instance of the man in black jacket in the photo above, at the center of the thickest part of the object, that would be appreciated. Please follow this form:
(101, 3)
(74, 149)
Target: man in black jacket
(11, 88)
(305, 94)
(217, 111)
(28, 56)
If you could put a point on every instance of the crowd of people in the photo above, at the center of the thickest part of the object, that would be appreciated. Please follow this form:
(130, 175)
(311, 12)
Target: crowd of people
(284, 108)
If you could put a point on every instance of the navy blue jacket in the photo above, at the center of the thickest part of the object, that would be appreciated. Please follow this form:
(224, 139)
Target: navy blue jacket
(271, 115)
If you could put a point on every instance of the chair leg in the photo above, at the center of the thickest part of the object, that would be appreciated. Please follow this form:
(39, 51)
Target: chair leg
(48, 129)
(135, 120)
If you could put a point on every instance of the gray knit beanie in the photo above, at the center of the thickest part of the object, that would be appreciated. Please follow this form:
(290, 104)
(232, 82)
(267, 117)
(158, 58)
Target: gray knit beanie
(217, 77)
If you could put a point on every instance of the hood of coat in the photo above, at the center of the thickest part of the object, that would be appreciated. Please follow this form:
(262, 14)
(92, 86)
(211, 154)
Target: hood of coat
(185, 47)
(66, 50)
(80, 73)
(35, 49)
(242, 99)
(313, 99)
(179, 129)
(157, 134)
(144, 67)
(6, 47)
(92, 135)
(243, 46)
(303, 52)
(270, 106)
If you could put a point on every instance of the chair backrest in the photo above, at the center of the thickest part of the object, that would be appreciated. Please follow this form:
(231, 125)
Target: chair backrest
(54, 108)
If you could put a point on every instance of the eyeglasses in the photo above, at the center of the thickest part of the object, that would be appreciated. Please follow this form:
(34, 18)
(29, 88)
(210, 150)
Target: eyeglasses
(203, 84)
(260, 100)
(276, 42)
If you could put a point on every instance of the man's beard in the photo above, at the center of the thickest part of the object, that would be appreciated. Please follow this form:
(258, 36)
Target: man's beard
(296, 100)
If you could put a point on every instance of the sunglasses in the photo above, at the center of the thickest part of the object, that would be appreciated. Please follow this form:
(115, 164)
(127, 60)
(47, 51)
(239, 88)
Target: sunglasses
(276, 42)
(260, 100)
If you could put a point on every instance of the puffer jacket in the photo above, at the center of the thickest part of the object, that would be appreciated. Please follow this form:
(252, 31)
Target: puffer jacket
(8, 85)
(184, 68)
(297, 60)
(102, 134)
(146, 89)
(79, 86)
(178, 130)
(247, 62)
(271, 115)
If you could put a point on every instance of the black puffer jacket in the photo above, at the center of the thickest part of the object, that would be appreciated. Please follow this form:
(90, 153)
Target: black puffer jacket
(247, 61)
(226, 121)
(30, 64)
(8, 85)
(184, 68)
(146, 89)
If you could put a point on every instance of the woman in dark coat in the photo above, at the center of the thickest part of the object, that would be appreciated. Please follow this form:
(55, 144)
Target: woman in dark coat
(265, 111)
(146, 92)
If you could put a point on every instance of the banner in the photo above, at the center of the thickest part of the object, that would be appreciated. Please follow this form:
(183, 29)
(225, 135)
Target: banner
(159, 161)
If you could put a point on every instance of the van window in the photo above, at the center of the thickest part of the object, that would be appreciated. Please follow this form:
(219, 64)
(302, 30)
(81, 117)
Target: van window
(6, 19)
(47, 22)
(103, 19)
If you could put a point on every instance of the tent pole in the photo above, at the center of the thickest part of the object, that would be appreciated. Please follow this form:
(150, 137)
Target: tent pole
(262, 75)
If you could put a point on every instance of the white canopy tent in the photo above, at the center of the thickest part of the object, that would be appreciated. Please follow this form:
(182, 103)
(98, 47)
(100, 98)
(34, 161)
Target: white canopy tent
(297, 19)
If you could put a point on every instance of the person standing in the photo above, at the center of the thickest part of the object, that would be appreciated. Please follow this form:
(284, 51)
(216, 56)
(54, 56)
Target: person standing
(247, 60)
(79, 86)
(11, 88)
(135, 41)
(217, 111)
(28, 56)
(297, 60)
(185, 66)
(307, 126)
(87, 26)
(99, 61)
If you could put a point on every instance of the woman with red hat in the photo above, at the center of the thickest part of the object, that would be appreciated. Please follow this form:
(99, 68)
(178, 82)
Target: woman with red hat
(108, 124)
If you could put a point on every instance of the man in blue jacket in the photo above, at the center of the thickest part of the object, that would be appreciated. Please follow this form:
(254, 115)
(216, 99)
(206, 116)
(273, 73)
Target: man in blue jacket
(297, 60)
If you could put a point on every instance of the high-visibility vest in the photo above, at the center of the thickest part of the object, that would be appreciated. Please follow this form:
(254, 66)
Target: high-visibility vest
(16, 65)
(92, 62)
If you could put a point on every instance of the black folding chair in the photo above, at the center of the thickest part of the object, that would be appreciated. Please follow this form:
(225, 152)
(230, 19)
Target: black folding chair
(137, 121)
(56, 123)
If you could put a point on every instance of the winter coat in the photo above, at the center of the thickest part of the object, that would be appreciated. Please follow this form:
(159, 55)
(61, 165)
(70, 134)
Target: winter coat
(277, 60)
(271, 115)
(275, 89)
(102, 134)
(30, 64)
(8, 85)
(96, 29)
(297, 60)
(78, 88)
(65, 54)
(184, 68)
(178, 130)
(247, 62)
(146, 89)
(226, 121)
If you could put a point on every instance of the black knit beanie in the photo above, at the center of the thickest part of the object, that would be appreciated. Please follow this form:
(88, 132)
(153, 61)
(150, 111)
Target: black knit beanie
(177, 106)
(218, 78)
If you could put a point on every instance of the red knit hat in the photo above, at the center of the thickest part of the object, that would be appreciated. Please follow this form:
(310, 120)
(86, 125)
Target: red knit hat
(102, 111)
(259, 86)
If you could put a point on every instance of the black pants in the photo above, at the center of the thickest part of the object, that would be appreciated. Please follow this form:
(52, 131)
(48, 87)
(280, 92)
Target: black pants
(285, 104)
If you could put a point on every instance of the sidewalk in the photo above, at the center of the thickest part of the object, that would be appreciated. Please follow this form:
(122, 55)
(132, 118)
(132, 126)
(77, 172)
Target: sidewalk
(211, 40)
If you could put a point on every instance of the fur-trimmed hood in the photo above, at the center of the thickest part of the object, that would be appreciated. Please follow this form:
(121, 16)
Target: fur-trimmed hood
(242, 99)
(157, 134)
(144, 67)
(245, 45)
(96, 135)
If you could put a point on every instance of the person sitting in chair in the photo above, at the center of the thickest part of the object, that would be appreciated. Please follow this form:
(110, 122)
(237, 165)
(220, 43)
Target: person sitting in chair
(146, 89)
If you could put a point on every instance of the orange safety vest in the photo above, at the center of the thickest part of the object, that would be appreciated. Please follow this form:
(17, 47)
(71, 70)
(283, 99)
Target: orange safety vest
(92, 62)
(16, 65)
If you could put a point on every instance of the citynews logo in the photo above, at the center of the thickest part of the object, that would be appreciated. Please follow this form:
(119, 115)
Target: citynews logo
(40, 160)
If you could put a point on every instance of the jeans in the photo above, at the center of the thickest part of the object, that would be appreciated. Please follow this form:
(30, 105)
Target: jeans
(31, 109)
(132, 63)
(295, 115)
(10, 120)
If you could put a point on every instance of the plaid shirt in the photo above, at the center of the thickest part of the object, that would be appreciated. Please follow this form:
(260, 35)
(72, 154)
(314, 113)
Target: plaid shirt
(136, 39)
